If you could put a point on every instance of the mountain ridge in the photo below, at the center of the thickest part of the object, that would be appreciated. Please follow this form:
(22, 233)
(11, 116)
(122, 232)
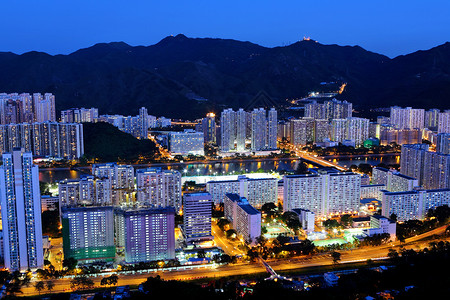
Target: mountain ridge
(119, 78)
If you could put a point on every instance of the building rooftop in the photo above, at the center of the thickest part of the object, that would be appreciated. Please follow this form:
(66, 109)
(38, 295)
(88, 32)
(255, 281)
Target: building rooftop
(240, 178)
(85, 208)
(361, 219)
(382, 169)
(234, 197)
(404, 176)
(145, 211)
(249, 209)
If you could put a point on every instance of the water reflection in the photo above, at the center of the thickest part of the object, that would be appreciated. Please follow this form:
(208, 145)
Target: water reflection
(226, 168)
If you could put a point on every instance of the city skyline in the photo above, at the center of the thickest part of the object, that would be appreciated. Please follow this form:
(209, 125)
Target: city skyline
(167, 148)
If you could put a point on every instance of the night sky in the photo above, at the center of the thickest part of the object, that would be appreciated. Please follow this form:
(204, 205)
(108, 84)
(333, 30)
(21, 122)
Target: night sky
(390, 27)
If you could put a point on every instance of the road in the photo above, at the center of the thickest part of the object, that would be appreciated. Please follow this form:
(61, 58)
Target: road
(56, 253)
(221, 241)
(349, 256)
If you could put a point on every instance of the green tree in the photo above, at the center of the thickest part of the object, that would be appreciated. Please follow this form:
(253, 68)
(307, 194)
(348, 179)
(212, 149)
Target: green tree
(231, 233)
(39, 286)
(302, 168)
(393, 217)
(331, 223)
(336, 256)
(104, 281)
(201, 253)
(50, 285)
(346, 220)
(222, 223)
(113, 279)
(69, 263)
(393, 254)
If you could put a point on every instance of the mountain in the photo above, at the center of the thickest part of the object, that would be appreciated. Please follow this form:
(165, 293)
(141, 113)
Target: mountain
(186, 77)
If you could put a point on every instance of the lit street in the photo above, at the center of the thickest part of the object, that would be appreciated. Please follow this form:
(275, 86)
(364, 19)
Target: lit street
(357, 255)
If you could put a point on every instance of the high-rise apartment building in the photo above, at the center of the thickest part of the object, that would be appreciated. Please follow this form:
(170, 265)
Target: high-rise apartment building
(64, 140)
(197, 211)
(338, 130)
(227, 130)
(158, 188)
(321, 130)
(389, 135)
(86, 190)
(322, 193)
(302, 131)
(44, 107)
(259, 129)
(79, 115)
(407, 118)
(146, 234)
(24, 108)
(432, 119)
(143, 123)
(259, 125)
(432, 169)
(333, 109)
(258, 191)
(443, 143)
(444, 122)
(21, 211)
(209, 128)
(122, 181)
(393, 180)
(88, 233)
(357, 129)
(413, 204)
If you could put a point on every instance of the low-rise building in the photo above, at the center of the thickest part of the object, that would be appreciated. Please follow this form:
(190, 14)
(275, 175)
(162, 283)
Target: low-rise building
(379, 225)
(187, 142)
(307, 219)
(49, 202)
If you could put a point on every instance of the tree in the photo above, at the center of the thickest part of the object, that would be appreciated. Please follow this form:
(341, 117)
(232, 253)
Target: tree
(290, 218)
(223, 223)
(282, 239)
(336, 257)
(104, 281)
(346, 220)
(39, 286)
(331, 223)
(263, 230)
(81, 282)
(261, 240)
(70, 263)
(302, 168)
(231, 233)
(113, 279)
(393, 254)
(393, 217)
(201, 253)
(50, 285)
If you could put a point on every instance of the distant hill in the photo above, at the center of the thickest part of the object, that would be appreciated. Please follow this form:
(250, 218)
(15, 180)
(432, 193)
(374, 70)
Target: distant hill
(106, 143)
(176, 75)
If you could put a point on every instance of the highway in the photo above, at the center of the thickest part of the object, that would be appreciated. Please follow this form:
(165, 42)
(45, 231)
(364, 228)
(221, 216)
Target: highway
(299, 262)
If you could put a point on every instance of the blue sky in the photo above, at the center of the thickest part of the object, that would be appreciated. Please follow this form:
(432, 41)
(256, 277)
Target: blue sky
(392, 27)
